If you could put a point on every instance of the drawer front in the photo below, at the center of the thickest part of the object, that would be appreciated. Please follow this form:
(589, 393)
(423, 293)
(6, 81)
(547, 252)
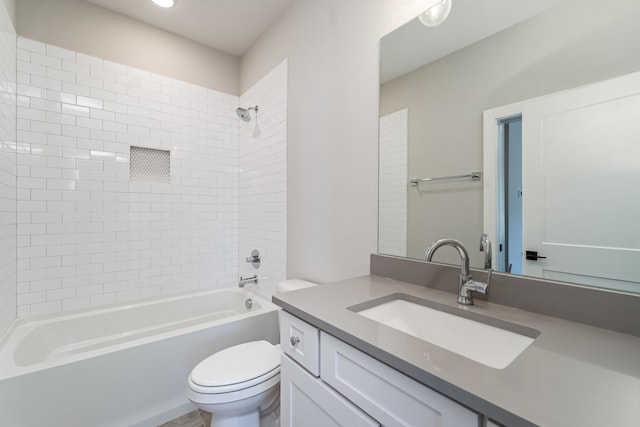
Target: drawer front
(301, 341)
(308, 402)
(390, 397)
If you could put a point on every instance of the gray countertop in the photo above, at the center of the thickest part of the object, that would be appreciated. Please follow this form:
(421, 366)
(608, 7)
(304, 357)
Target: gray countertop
(571, 375)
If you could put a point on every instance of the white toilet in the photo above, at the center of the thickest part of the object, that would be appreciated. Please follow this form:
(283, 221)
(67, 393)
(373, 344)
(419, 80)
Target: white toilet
(241, 383)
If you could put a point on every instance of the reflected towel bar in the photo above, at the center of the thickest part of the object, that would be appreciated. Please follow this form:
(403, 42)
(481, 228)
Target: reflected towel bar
(475, 176)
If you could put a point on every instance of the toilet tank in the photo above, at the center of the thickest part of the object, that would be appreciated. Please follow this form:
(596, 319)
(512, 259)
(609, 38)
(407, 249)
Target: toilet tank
(293, 285)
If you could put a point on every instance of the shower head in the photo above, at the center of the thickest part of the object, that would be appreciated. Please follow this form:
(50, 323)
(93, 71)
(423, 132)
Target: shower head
(243, 113)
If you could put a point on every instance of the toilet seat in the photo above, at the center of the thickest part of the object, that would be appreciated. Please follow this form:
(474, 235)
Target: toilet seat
(205, 395)
(236, 372)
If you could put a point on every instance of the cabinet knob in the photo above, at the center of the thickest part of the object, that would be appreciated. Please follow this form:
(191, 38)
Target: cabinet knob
(294, 341)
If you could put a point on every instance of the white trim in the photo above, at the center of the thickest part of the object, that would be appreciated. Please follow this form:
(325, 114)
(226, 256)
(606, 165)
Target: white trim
(491, 138)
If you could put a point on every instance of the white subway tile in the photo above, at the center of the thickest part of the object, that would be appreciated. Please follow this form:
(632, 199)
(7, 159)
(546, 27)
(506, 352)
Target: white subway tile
(76, 303)
(151, 238)
(27, 69)
(103, 115)
(76, 89)
(76, 153)
(75, 67)
(89, 82)
(90, 144)
(62, 119)
(89, 102)
(49, 61)
(46, 128)
(46, 262)
(76, 131)
(89, 123)
(31, 45)
(44, 105)
(62, 272)
(75, 110)
(60, 76)
(56, 96)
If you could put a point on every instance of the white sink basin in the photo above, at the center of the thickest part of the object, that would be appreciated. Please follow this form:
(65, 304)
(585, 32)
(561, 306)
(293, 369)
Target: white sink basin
(492, 346)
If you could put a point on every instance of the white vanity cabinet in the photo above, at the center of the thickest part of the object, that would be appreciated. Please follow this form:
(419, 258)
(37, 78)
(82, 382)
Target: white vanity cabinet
(355, 389)
(305, 400)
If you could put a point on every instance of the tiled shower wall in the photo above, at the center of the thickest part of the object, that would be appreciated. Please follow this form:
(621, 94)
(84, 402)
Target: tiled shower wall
(263, 179)
(89, 236)
(392, 228)
(7, 171)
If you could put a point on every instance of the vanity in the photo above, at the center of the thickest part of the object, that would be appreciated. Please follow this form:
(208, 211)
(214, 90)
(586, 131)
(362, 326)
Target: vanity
(341, 367)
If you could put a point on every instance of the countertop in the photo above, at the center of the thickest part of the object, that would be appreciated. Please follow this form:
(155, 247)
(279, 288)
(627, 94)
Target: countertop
(571, 375)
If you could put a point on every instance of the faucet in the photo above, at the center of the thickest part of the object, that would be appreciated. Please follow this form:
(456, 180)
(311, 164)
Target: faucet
(246, 280)
(465, 284)
(485, 246)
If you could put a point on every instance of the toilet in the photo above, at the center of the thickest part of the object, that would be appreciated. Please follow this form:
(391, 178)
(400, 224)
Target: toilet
(240, 385)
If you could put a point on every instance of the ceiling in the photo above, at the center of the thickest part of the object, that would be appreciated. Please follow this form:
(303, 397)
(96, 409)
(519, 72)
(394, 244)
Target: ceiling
(231, 26)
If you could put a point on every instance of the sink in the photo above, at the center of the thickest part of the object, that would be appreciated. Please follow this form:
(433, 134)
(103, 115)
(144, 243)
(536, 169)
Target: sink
(492, 342)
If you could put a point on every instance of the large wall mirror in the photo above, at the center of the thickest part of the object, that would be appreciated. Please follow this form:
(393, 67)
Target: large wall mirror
(436, 84)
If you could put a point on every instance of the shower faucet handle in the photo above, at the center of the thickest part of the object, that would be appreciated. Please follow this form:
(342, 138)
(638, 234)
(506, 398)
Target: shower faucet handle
(254, 259)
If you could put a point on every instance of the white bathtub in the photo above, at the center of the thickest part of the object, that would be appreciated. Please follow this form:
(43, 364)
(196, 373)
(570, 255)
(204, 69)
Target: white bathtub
(125, 365)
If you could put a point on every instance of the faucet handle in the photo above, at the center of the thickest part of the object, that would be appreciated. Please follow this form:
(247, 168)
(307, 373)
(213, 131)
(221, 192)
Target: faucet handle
(254, 259)
(475, 286)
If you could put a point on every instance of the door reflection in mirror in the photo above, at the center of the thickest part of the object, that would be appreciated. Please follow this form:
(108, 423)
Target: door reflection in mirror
(509, 232)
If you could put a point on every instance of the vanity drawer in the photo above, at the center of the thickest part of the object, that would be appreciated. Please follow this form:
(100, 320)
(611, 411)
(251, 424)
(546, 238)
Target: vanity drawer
(300, 341)
(389, 396)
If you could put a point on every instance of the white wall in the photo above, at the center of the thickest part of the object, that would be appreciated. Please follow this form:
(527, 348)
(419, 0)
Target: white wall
(10, 6)
(87, 235)
(332, 50)
(84, 27)
(263, 179)
(7, 171)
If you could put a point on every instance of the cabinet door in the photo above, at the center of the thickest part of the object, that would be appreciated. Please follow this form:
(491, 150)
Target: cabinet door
(306, 401)
(387, 395)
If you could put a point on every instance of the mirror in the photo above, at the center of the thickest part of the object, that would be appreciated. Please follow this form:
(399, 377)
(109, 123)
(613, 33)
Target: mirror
(437, 82)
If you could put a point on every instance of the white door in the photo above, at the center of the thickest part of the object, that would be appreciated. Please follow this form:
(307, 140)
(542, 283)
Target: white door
(581, 184)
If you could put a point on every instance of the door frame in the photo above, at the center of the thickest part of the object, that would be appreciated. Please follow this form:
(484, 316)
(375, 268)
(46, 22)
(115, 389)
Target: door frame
(491, 186)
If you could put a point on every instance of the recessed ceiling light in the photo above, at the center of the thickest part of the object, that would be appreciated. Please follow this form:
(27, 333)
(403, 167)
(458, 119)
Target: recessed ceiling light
(165, 3)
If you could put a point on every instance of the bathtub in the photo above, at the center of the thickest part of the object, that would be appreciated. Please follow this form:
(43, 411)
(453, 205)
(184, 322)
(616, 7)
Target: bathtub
(125, 365)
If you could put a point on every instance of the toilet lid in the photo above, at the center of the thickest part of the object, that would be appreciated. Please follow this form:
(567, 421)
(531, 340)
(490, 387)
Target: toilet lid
(236, 365)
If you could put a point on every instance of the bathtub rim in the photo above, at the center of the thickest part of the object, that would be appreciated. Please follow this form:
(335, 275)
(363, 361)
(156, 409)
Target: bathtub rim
(9, 368)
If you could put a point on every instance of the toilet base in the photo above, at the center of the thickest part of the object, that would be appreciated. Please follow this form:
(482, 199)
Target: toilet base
(251, 419)
(238, 413)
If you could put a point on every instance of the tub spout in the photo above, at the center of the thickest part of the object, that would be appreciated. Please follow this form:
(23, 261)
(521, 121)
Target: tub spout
(246, 280)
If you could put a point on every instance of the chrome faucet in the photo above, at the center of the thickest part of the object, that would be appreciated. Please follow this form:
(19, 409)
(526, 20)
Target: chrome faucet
(485, 246)
(465, 284)
(246, 280)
